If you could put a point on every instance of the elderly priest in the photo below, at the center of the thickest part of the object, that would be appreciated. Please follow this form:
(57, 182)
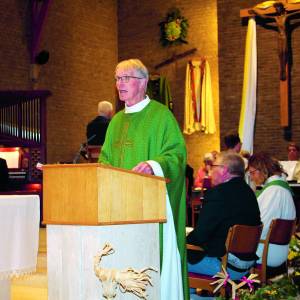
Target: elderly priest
(145, 137)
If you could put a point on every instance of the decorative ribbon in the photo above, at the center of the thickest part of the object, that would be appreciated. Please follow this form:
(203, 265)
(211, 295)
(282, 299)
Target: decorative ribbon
(224, 278)
(249, 282)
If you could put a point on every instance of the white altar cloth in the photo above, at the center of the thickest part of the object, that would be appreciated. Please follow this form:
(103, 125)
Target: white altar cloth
(19, 234)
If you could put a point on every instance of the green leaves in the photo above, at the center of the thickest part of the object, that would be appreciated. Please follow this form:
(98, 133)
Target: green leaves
(174, 29)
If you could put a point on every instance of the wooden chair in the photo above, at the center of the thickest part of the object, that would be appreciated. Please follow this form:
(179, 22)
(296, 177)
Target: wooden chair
(197, 198)
(280, 233)
(196, 204)
(241, 239)
(93, 153)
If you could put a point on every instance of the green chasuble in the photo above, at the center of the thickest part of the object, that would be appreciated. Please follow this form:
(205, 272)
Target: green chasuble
(153, 134)
(281, 183)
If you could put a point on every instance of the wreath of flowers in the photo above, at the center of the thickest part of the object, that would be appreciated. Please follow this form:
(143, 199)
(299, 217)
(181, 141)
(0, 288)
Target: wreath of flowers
(173, 29)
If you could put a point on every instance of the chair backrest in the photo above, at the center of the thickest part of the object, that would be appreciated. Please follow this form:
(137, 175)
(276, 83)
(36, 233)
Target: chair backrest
(242, 239)
(281, 231)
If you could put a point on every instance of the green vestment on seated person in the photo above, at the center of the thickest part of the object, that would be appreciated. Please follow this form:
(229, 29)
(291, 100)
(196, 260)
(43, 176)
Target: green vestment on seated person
(153, 134)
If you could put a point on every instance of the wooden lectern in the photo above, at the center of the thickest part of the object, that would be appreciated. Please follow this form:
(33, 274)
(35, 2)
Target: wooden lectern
(78, 201)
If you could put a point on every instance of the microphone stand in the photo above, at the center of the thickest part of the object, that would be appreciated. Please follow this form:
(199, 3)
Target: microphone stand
(81, 149)
(77, 156)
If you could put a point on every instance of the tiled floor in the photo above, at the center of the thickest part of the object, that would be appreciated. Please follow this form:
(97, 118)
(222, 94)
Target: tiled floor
(33, 287)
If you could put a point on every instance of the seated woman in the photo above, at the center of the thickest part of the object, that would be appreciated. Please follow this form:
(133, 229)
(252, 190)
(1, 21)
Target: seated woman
(275, 201)
(203, 177)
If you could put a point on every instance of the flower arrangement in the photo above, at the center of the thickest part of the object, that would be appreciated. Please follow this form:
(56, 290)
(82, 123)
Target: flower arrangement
(282, 289)
(294, 252)
(174, 28)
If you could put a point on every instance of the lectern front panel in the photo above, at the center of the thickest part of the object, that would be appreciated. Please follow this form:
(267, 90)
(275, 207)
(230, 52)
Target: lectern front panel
(94, 194)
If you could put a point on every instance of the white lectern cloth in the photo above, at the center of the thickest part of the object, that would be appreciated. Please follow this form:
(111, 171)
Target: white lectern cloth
(19, 234)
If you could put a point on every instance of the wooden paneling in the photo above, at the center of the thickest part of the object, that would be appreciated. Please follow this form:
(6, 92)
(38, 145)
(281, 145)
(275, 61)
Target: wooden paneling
(93, 194)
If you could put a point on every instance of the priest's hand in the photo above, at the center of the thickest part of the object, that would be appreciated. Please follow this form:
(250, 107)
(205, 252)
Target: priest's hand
(143, 167)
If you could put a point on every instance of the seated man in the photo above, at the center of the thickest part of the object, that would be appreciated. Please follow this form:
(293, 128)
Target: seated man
(96, 129)
(231, 201)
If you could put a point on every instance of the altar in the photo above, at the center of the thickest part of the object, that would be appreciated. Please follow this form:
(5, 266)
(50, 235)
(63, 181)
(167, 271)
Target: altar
(19, 239)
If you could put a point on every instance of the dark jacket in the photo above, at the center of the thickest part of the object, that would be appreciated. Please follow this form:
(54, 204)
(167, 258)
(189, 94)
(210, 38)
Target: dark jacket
(225, 205)
(97, 127)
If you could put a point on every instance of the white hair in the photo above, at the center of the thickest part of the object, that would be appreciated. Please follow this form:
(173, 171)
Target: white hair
(134, 64)
(105, 108)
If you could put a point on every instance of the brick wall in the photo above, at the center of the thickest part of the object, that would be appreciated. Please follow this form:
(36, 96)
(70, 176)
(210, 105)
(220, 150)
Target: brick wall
(217, 31)
(81, 37)
(139, 35)
(85, 37)
(13, 46)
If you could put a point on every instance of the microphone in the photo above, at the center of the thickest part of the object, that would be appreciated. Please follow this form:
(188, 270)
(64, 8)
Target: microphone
(91, 138)
(82, 148)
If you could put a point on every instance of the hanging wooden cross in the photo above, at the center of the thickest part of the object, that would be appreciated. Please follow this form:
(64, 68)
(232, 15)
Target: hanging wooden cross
(280, 12)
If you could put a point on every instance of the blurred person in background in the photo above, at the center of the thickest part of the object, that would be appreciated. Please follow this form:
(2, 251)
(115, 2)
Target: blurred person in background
(204, 172)
(293, 151)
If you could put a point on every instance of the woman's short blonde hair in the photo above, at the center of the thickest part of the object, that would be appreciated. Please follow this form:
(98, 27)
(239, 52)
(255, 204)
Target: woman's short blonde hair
(134, 64)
